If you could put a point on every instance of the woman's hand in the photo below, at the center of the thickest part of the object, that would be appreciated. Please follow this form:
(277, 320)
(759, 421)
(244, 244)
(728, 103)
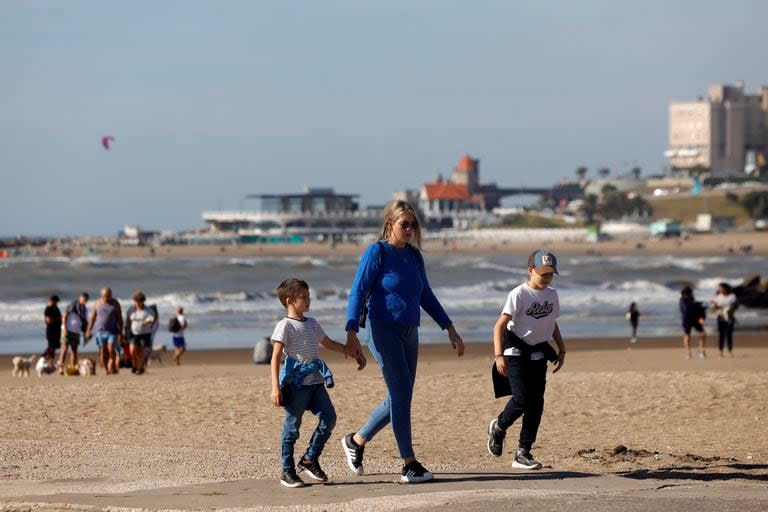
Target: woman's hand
(456, 342)
(277, 397)
(352, 349)
(560, 361)
(501, 365)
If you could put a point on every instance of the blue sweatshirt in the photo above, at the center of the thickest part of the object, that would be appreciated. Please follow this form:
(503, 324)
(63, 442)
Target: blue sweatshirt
(398, 289)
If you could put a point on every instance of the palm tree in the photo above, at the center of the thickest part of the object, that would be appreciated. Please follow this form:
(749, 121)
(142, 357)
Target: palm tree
(581, 172)
(603, 172)
(636, 171)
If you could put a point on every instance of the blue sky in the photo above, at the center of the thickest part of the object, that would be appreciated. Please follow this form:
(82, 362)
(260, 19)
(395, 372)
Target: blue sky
(209, 101)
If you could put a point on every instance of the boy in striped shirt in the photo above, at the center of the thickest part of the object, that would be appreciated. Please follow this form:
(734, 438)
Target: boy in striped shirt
(300, 385)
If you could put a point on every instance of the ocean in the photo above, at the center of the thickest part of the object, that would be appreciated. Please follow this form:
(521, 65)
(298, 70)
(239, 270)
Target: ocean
(230, 302)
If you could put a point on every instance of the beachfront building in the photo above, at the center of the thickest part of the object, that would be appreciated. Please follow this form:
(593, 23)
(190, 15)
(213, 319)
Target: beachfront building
(726, 132)
(461, 201)
(316, 214)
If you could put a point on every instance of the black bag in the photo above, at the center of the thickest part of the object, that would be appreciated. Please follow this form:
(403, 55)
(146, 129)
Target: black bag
(174, 325)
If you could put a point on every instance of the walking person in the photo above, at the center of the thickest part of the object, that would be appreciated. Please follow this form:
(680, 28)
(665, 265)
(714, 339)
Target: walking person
(178, 327)
(725, 304)
(52, 319)
(391, 283)
(633, 315)
(140, 321)
(693, 315)
(299, 385)
(74, 324)
(521, 347)
(106, 325)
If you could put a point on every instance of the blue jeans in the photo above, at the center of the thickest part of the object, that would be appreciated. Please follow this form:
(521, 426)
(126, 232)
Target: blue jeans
(312, 398)
(396, 350)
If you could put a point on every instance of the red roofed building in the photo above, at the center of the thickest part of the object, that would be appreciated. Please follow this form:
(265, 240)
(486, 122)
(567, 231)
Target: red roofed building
(444, 198)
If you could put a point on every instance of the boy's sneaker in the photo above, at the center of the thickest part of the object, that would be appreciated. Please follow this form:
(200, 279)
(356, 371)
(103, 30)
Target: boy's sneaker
(414, 473)
(496, 438)
(291, 479)
(354, 453)
(313, 469)
(524, 460)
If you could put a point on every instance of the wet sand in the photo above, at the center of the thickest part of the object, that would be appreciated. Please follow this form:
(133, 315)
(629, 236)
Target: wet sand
(91, 441)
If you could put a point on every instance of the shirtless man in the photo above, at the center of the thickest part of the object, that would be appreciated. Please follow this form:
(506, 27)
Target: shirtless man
(107, 327)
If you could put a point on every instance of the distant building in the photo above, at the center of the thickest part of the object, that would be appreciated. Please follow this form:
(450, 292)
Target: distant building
(723, 132)
(317, 213)
(462, 200)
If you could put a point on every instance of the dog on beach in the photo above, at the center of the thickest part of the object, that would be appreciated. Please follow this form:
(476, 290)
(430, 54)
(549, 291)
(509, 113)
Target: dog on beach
(86, 366)
(157, 354)
(45, 366)
(21, 365)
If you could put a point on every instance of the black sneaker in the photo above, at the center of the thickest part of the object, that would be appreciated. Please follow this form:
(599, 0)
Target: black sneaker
(496, 438)
(313, 469)
(414, 473)
(354, 453)
(524, 460)
(291, 479)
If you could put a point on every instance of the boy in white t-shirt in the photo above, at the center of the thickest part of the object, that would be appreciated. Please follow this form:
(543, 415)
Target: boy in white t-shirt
(521, 348)
(300, 384)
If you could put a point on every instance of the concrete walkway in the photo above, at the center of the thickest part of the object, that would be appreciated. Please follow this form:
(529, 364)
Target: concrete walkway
(482, 492)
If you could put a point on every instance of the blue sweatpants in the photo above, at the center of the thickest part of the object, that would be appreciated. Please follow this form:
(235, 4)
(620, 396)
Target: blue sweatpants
(396, 350)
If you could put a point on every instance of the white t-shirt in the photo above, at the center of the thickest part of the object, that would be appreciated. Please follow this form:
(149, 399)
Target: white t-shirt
(138, 318)
(74, 322)
(182, 326)
(534, 314)
(301, 341)
(724, 303)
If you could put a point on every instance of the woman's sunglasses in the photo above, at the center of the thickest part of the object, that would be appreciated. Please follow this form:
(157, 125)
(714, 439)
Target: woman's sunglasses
(405, 225)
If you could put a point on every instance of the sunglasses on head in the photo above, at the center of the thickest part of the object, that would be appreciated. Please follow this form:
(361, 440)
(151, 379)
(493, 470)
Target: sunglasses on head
(405, 224)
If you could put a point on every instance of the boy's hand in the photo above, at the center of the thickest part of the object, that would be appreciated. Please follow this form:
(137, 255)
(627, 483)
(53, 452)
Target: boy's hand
(501, 365)
(361, 361)
(560, 361)
(277, 397)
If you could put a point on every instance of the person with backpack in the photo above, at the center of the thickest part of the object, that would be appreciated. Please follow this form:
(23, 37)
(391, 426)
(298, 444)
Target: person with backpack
(693, 314)
(391, 282)
(177, 325)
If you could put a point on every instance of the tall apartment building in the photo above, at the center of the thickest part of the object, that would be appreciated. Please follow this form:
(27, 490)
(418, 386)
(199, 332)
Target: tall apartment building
(722, 132)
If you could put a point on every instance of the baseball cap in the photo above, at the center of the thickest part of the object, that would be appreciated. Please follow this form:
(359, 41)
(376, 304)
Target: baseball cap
(543, 260)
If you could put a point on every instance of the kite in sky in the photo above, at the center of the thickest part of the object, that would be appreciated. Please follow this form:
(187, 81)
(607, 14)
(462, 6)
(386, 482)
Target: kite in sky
(106, 141)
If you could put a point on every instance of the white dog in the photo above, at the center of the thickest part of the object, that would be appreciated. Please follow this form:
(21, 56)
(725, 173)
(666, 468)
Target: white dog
(86, 366)
(44, 366)
(21, 365)
(157, 354)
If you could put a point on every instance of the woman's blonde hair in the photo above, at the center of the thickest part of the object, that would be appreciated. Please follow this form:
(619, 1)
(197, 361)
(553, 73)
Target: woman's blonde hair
(393, 211)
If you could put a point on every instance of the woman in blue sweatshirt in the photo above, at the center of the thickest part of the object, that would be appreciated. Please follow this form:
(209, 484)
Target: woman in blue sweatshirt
(391, 282)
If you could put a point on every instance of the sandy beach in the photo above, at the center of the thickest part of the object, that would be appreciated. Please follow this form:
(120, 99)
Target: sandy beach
(623, 414)
(514, 242)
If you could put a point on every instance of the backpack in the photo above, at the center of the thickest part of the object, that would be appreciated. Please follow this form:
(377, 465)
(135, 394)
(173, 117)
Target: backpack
(174, 325)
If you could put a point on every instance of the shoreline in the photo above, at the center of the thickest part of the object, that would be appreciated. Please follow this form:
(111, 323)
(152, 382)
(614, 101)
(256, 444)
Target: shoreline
(513, 242)
(226, 356)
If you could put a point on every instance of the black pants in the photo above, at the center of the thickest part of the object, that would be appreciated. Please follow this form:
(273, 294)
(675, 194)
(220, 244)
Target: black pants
(528, 379)
(725, 330)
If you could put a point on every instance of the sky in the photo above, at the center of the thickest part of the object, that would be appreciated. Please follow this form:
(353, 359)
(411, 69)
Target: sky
(210, 101)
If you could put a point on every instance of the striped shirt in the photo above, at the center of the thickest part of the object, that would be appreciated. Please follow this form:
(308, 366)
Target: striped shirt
(301, 340)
